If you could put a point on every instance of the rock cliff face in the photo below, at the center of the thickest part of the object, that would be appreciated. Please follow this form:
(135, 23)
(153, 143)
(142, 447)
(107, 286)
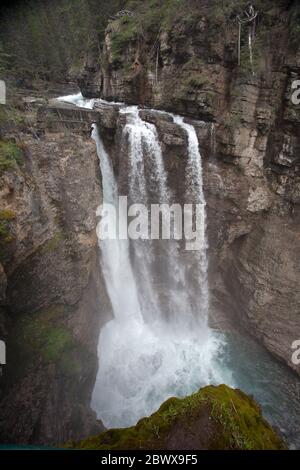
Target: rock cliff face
(53, 299)
(50, 279)
(251, 143)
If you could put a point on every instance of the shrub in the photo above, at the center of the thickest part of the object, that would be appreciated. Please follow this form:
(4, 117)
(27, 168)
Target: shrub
(10, 155)
(196, 81)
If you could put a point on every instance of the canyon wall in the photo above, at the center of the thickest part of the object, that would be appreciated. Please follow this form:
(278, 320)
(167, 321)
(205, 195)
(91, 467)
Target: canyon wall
(53, 298)
(52, 293)
(251, 143)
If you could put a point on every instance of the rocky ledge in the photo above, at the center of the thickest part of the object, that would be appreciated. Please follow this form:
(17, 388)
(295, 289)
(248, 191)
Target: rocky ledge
(214, 418)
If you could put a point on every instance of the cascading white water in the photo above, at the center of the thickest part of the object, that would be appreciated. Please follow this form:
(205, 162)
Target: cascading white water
(195, 194)
(158, 344)
(77, 100)
(115, 258)
(163, 355)
(143, 134)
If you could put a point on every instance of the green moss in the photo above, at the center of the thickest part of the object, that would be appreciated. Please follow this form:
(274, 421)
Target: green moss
(42, 338)
(10, 155)
(38, 333)
(55, 341)
(7, 215)
(52, 245)
(243, 427)
(234, 420)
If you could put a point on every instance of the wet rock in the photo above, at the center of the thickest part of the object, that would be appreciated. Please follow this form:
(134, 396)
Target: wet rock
(51, 284)
(107, 116)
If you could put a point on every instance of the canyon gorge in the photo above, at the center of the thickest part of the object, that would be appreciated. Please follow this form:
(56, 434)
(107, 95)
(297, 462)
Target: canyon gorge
(100, 334)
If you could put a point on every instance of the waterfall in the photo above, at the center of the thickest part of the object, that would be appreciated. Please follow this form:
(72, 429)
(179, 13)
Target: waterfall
(142, 140)
(195, 194)
(158, 344)
(115, 258)
(77, 100)
(169, 350)
(143, 134)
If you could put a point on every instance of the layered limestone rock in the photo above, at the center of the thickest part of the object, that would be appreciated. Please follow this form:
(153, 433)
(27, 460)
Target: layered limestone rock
(250, 142)
(50, 285)
(52, 294)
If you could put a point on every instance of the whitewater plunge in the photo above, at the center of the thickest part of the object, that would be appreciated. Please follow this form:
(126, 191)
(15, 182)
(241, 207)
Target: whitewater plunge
(159, 343)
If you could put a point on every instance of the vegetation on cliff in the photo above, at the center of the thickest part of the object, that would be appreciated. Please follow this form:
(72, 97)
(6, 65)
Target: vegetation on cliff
(49, 39)
(10, 155)
(41, 338)
(53, 39)
(213, 418)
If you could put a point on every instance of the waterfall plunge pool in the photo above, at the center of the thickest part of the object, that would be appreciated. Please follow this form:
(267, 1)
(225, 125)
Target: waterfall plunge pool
(179, 369)
(273, 385)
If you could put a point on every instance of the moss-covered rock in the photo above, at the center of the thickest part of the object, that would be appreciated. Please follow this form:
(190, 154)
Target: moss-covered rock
(213, 418)
(53, 243)
(10, 155)
(42, 337)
